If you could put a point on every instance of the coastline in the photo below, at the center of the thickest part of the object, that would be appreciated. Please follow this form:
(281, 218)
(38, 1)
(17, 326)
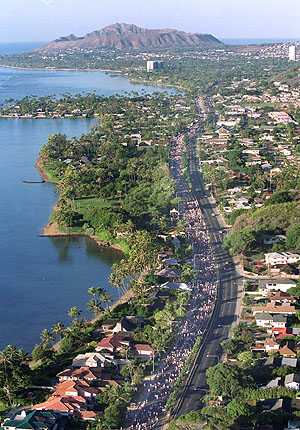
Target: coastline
(63, 69)
(51, 229)
(112, 71)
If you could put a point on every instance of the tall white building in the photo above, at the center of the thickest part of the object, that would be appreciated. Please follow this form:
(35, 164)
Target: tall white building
(292, 53)
(154, 65)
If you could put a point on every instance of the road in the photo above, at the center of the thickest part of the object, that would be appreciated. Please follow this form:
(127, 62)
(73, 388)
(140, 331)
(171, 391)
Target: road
(227, 305)
(211, 308)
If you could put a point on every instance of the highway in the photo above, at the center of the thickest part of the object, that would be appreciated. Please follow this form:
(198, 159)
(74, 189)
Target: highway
(229, 293)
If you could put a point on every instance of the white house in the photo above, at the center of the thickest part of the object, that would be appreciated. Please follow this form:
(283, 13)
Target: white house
(264, 319)
(279, 321)
(90, 359)
(281, 258)
(277, 285)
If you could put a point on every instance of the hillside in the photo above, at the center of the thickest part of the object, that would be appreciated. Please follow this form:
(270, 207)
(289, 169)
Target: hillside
(131, 37)
(290, 77)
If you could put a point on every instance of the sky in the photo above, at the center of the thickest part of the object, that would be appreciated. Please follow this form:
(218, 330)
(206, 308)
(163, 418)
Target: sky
(44, 20)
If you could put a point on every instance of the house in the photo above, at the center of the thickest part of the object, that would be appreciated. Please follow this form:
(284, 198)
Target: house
(282, 285)
(281, 258)
(271, 345)
(279, 321)
(115, 343)
(34, 420)
(108, 325)
(280, 297)
(123, 326)
(289, 362)
(263, 319)
(282, 333)
(281, 117)
(287, 352)
(88, 415)
(144, 350)
(168, 273)
(223, 132)
(292, 381)
(81, 373)
(272, 362)
(128, 324)
(259, 346)
(176, 286)
(270, 309)
(91, 359)
(63, 405)
(75, 389)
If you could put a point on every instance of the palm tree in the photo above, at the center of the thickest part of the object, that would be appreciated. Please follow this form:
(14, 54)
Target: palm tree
(99, 295)
(74, 312)
(46, 336)
(95, 307)
(104, 296)
(92, 291)
(58, 329)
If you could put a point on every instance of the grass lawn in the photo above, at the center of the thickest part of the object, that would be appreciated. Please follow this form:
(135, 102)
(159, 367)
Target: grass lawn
(49, 171)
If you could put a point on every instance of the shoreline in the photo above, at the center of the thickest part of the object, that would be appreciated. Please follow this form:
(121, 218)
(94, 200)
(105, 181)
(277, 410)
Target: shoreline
(51, 229)
(56, 69)
(134, 81)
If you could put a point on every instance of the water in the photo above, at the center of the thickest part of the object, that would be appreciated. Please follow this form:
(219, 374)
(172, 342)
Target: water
(19, 48)
(41, 278)
(16, 83)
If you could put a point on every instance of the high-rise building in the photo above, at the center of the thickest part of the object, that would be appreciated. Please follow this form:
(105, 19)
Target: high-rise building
(154, 65)
(292, 53)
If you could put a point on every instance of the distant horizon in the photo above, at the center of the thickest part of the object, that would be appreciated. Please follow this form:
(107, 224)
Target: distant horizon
(222, 39)
(38, 20)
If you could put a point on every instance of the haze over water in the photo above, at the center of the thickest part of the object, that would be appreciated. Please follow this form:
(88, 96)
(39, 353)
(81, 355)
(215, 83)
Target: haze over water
(41, 278)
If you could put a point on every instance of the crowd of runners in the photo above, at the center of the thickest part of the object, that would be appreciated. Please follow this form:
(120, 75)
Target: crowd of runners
(155, 392)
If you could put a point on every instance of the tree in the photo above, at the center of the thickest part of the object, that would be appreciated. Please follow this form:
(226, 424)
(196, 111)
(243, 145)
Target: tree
(46, 337)
(58, 329)
(187, 273)
(279, 197)
(246, 358)
(293, 237)
(99, 298)
(15, 374)
(239, 242)
(95, 307)
(216, 418)
(134, 372)
(74, 312)
(236, 409)
(226, 381)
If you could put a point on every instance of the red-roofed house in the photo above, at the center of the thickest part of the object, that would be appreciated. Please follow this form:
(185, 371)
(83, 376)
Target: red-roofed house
(86, 373)
(114, 343)
(271, 345)
(64, 405)
(144, 350)
(75, 389)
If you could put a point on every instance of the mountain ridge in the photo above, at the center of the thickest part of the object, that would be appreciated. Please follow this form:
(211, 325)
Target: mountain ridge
(124, 36)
